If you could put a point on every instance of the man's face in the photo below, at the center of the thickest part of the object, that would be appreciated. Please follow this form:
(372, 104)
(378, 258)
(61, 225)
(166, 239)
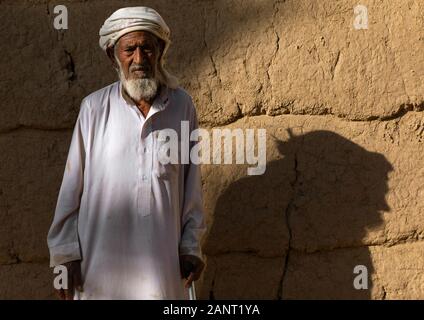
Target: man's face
(138, 54)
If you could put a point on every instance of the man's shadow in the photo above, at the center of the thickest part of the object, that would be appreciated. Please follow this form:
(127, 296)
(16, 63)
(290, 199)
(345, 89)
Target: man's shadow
(299, 230)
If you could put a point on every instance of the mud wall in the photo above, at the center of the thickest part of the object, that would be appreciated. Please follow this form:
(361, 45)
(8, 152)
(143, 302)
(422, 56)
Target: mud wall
(343, 112)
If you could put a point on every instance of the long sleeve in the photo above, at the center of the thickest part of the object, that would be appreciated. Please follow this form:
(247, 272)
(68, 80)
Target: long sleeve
(193, 224)
(62, 238)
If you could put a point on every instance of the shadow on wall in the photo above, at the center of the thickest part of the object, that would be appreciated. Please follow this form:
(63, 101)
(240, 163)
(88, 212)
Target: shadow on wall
(298, 231)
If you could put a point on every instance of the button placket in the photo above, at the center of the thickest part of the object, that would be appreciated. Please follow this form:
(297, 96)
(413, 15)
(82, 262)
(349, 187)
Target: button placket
(145, 164)
(140, 143)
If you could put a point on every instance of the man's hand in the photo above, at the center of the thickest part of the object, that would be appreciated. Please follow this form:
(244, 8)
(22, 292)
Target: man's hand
(74, 280)
(191, 268)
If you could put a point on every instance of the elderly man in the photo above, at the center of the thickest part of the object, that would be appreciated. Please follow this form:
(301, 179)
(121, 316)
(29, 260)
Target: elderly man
(125, 222)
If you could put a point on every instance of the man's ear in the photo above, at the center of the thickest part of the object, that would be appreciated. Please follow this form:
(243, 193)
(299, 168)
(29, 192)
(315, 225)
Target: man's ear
(111, 54)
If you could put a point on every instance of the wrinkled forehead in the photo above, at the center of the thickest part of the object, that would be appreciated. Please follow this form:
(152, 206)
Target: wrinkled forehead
(138, 38)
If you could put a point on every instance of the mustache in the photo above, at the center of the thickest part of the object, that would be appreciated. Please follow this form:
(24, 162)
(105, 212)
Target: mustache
(140, 67)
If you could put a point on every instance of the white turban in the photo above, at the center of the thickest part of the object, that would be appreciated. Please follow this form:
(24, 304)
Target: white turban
(131, 19)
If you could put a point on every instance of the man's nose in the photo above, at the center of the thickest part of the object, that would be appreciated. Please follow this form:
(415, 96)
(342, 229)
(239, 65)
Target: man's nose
(139, 57)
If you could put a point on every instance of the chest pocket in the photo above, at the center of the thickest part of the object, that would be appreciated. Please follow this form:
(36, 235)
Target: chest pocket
(166, 158)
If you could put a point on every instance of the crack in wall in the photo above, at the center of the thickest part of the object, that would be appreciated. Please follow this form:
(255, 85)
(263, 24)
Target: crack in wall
(277, 44)
(210, 55)
(14, 256)
(289, 209)
(215, 70)
(34, 128)
(384, 293)
(70, 67)
(20, 261)
(393, 54)
(396, 116)
(334, 66)
(253, 253)
(403, 109)
(388, 244)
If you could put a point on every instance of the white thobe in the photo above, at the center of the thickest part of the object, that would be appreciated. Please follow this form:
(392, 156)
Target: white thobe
(122, 212)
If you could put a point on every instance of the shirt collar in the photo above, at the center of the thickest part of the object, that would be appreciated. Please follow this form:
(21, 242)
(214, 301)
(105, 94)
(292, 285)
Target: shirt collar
(159, 103)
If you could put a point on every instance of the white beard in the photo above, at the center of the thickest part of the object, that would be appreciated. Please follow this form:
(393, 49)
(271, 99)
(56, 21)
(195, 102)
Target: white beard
(139, 89)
